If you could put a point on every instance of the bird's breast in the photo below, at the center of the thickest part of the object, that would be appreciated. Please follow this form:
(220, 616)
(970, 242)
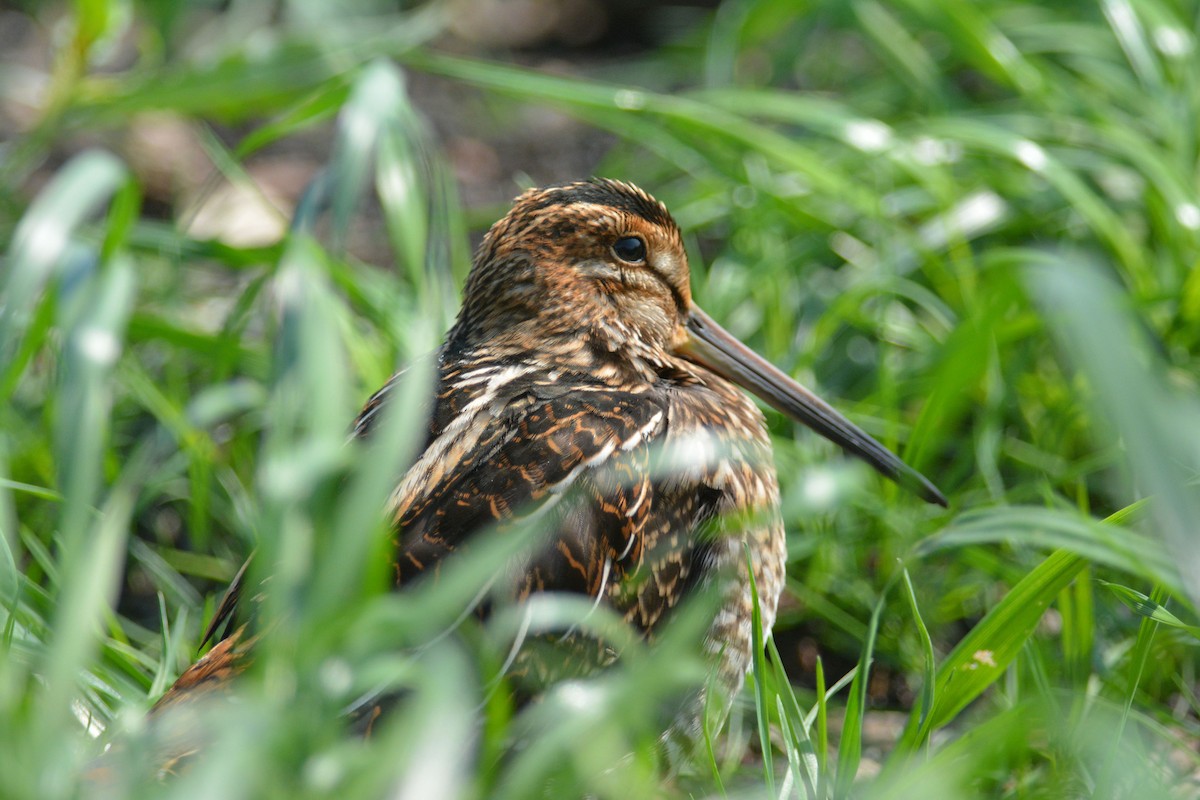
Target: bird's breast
(648, 492)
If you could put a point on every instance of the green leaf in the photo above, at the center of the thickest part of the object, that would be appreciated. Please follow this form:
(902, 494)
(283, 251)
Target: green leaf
(928, 695)
(762, 705)
(1048, 528)
(1148, 608)
(983, 655)
(41, 240)
(1158, 426)
(850, 746)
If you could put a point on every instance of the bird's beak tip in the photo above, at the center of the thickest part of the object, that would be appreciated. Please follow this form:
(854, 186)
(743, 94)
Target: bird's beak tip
(931, 493)
(711, 346)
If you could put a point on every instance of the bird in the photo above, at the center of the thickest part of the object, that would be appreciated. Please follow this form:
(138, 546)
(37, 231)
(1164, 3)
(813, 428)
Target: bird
(578, 361)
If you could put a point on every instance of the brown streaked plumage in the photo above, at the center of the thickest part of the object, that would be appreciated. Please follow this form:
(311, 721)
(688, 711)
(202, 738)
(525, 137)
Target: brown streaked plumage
(578, 359)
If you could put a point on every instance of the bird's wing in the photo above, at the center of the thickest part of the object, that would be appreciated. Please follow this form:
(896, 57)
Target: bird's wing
(369, 416)
(213, 673)
(516, 451)
(228, 607)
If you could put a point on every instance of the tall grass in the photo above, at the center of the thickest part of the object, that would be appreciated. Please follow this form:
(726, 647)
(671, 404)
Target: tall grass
(974, 224)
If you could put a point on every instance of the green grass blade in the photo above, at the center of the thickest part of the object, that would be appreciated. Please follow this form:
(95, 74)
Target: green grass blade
(1136, 669)
(1148, 608)
(822, 722)
(762, 703)
(41, 240)
(986, 652)
(928, 696)
(850, 745)
(1157, 426)
(1103, 543)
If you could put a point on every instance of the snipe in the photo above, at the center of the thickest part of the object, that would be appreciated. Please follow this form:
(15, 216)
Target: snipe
(578, 358)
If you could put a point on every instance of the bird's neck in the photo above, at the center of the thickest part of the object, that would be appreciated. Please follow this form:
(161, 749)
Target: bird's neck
(598, 351)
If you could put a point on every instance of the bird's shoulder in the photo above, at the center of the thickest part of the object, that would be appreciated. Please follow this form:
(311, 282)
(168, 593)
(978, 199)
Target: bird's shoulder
(510, 431)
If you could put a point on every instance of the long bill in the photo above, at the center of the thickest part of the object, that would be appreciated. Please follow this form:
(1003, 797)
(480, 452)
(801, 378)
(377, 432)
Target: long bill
(713, 347)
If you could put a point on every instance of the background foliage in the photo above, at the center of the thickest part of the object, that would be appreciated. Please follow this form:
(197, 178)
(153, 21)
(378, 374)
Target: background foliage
(974, 224)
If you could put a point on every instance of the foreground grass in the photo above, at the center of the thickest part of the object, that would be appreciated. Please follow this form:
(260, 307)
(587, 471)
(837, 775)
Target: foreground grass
(980, 233)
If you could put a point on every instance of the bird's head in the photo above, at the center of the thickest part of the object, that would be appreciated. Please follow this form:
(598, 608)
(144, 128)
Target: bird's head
(601, 265)
(598, 259)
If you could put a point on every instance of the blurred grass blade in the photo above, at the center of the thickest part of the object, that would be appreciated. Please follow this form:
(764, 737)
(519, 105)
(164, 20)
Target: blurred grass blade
(953, 770)
(1148, 608)
(374, 106)
(1020, 526)
(963, 361)
(95, 340)
(422, 213)
(437, 765)
(92, 18)
(305, 445)
(92, 546)
(694, 117)
(917, 66)
(245, 79)
(10, 576)
(323, 104)
(1135, 670)
(1129, 32)
(41, 240)
(1076, 605)
(968, 27)
(1159, 429)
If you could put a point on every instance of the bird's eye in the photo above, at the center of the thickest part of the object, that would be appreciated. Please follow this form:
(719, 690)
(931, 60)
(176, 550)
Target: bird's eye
(630, 248)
